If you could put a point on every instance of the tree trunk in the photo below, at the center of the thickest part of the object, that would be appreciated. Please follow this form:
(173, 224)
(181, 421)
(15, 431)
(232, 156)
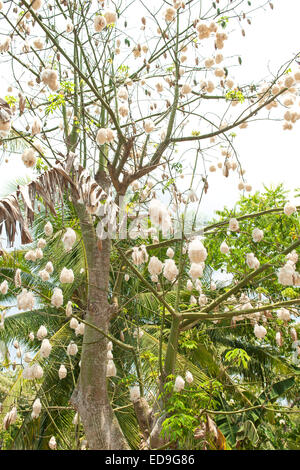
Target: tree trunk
(91, 398)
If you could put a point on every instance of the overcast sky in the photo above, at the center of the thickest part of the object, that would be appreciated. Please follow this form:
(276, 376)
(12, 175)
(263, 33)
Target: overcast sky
(269, 154)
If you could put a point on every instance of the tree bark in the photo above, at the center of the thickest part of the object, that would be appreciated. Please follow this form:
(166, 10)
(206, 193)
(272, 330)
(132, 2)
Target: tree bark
(91, 398)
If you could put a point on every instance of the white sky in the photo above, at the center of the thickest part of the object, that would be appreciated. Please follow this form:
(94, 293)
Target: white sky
(269, 154)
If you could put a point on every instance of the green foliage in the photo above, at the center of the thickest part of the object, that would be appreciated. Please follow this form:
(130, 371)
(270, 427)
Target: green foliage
(67, 86)
(55, 102)
(223, 21)
(184, 409)
(40, 165)
(11, 100)
(235, 95)
(237, 356)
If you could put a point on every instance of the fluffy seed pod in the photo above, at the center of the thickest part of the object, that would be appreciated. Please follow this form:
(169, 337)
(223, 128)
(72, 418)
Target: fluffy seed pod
(41, 243)
(73, 323)
(170, 253)
(44, 275)
(69, 27)
(257, 235)
(36, 126)
(293, 334)
(134, 393)
(69, 239)
(139, 255)
(99, 23)
(4, 287)
(210, 87)
(186, 89)
(10, 418)
(189, 377)
(49, 267)
(233, 225)
(30, 255)
(36, 408)
(155, 266)
(28, 373)
(80, 329)
(46, 348)
(76, 419)
(111, 370)
(29, 158)
(62, 372)
(159, 215)
(196, 271)
(289, 209)
(159, 87)
(49, 77)
(72, 349)
(110, 16)
(48, 229)
(110, 135)
(69, 309)
(25, 300)
(31, 336)
(286, 274)
(197, 251)
(123, 110)
(66, 276)
(179, 384)
(220, 73)
(104, 136)
(252, 261)
(27, 357)
(41, 333)
(52, 443)
(283, 314)
(170, 14)
(224, 248)
(293, 256)
(209, 62)
(57, 298)
(279, 339)
(37, 370)
(38, 253)
(4, 47)
(260, 331)
(149, 126)
(123, 94)
(202, 300)
(170, 271)
(5, 125)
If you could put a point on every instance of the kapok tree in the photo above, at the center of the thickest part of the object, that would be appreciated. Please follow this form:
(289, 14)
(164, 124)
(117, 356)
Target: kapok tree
(99, 96)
